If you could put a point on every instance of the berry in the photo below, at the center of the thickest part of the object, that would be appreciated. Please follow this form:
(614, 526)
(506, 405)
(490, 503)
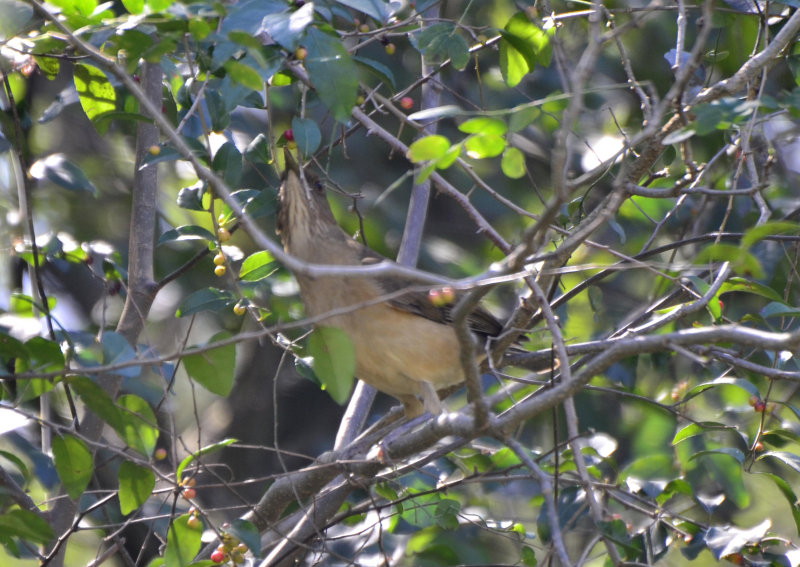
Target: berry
(220, 271)
(161, 454)
(289, 135)
(391, 48)
(407, 102)
(154, 150)
(301, 53)
(759, 406)
(189, 493)
(363, 28)
(219, 259)
(194, 523)
(218, 556)
(754, 399)
(223, 234)
(448, 295)
(191, 482)
(239, 309)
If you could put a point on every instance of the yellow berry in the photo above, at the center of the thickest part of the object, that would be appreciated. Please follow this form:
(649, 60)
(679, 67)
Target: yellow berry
(223, 234)
(239, 309)
(219, 259)
(220, 270)
(154, 150)
(390, 48)
(161, 454)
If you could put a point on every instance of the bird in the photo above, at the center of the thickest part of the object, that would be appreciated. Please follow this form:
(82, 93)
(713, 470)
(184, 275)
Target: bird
(405, 346)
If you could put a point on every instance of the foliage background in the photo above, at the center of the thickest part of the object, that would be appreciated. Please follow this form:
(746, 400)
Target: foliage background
(688, 441)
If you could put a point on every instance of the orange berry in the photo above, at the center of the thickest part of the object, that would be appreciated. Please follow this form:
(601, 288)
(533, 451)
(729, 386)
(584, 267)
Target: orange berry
(407, 102)
(223, 234)
(189, 493)
(161, 454)
(154, 150)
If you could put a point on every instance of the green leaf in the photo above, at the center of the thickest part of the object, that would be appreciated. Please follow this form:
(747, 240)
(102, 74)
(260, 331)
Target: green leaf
(791, 497)
(134, 6)
(286, 28)
(135, 486)
(376, 9)
(228, 163)
(691, 430)
(258, 150)
(482, 146)
(742, 261)
(747, 286)
(74, 464)
(57, 169)
(96, 93)
(768, 229)
(248, 534)
(529, 39)
(96, 400)
(450, 157)
(26, 525)
(332, 72)
(442, 41)
(13, 17)
(306, 134)
(484, 125)
(376, 68)
(334, 361)
(187, 232)
(789, 459)
(213, 369)
(204, 451)
(183, 543)
(257, 266)
(513, 66)
(245, 75)
(428, 148)
(209, 299)
(138, 427)
(513, 163)
(116, 350)
(446, 513)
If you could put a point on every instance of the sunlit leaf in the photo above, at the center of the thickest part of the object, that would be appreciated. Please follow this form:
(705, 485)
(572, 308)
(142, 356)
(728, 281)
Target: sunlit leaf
(428, 148)
(334, 361)
(183, 543)
(513, 163)
(257, 266)
(96, 93)
(74, 464)
(213, 369)
(135, 486)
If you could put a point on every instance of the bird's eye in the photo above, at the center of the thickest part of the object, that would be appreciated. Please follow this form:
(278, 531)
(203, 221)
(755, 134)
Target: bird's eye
(319, 187)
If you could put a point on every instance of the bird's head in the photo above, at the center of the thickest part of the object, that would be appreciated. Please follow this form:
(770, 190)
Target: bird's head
(305, 215)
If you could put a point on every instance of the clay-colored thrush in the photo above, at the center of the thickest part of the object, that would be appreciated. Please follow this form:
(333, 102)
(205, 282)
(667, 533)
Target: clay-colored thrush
(405, 346)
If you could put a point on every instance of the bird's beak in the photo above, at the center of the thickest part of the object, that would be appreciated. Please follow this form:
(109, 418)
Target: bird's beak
(290, 163)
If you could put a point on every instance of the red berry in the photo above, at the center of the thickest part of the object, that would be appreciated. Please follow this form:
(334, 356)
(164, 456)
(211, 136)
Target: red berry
(218, 556)
(189, 493)
(289, 135)
(759, 406)
(407, 102)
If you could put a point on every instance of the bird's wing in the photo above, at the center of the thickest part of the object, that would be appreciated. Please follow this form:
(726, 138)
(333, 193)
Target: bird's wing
(480, 321)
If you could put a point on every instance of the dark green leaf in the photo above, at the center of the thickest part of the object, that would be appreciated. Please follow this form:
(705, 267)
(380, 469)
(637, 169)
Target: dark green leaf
(187, 232)
(258, 150)
(307, 135)
(377, 68)
(183, 543)
(57, 169)
(377, 9)
(135, 486)
(286, 28)
(248, 534)
(789, 459)
(332, 72)
(26, 525)
(257, 266)
(13, 17)
(742, 262)
(209, 299)
(74, 464)
(213, 369)
(228, 164)
(442, 41)
(334, 361)
(446, 513)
